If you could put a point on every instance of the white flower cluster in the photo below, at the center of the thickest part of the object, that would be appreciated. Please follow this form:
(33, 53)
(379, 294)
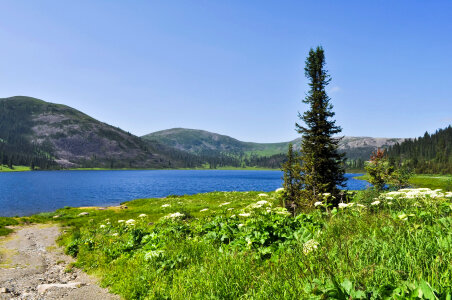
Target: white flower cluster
(417, 193)
(175, 215)
(142, 216)
(279, 190)
(130, 222)
(263, 195)
(204, 209)
(226, 203)
(166, 205)
(310, 246)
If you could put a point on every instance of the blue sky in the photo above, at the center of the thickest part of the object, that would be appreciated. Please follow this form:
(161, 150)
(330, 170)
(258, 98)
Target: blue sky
(233, 67)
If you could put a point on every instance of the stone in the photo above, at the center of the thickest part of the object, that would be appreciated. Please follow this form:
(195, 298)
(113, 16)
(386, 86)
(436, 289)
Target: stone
(42, 288)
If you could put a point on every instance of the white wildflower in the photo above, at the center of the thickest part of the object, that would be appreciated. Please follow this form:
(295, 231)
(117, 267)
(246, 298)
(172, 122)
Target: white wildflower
(102, 226)
(245, 214)
(310, 246)
(318, 203)
(130, 222)
(263, 195)
(343, 205)
(174, 215)
(360, 205)
(115, 234)
(279, 190)
(240, 225)
(204, 209)
(226, 203)
(166, 205)
(375, 202)
(121, 221)
(142, 216)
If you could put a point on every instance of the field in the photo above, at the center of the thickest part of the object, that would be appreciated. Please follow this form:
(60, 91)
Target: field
(242, 245)
(443, 182)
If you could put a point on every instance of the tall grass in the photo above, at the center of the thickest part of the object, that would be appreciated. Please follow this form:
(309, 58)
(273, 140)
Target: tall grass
(249, 249)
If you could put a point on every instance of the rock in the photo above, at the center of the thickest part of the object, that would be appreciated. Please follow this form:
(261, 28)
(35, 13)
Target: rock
(4, 290)
(42, 288)
(83, 214)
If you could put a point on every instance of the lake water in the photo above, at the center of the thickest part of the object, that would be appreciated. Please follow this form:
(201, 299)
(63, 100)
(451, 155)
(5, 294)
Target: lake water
(25, 193)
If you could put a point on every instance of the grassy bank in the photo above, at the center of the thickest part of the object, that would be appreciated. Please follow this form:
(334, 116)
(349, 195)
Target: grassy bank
(4, 168)
(428, 181)
(229, 245)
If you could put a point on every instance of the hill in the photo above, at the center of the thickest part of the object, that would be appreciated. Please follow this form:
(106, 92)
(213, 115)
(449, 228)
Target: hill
(357, 149)
(431, 153)
(47, 135)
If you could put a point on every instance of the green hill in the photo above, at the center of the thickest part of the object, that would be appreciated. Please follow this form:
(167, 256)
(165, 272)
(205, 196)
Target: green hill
(204, 142)
(47, 135)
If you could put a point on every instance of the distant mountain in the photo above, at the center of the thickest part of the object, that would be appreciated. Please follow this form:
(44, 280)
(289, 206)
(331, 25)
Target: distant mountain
(200, 141)
(43, 134)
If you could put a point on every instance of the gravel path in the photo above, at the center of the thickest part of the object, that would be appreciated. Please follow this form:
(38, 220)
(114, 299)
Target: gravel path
(33, 267)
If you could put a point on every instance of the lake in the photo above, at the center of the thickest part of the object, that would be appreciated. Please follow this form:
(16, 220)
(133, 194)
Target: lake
(25, 193)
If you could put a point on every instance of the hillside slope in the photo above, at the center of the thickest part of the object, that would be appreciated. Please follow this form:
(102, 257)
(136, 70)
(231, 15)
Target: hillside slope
(200, 141)
(66, 137)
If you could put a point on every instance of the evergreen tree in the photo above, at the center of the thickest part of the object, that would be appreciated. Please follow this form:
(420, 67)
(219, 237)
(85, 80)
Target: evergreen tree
(292, 179)
(321, 163)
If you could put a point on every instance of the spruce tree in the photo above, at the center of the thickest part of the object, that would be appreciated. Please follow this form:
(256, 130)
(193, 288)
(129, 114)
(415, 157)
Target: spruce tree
(292, 179)
(322, 165)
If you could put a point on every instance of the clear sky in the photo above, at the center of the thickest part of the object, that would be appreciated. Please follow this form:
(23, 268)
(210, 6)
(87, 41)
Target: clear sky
(232, 67)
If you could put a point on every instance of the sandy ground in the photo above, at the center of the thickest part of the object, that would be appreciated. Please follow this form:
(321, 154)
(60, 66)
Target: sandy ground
(33, 267)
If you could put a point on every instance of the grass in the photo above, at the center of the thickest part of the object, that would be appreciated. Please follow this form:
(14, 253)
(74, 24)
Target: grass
(4, 221)
(229, 245)
(443, 182)
(4, 168)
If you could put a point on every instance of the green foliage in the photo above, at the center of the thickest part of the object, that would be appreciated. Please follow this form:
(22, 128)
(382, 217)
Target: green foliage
(429, 154)
(382, 172)
(4, 221)
(291, 179)
(322, 165)
(237, 245)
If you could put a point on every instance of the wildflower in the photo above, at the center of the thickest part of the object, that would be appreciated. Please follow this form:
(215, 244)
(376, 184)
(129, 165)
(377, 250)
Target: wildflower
(376, 202)
(102, 226)
(130, 222)
(326, 195)
(389, 198)
(121, 221)
(263, 195)
(318, 203)
(230, 208)
(204, 209)
(240, 225)
(233, 216)
(174, 215)
(142, 216)
(389, 203)
(226, 203)
(360, 205)
(279, 190)
(262, 202)
(115, 234)
(245, 214)
(343, 205)
(166, 205)
(310, 246)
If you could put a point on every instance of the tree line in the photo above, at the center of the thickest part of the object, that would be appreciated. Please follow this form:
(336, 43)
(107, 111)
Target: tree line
(429, 154)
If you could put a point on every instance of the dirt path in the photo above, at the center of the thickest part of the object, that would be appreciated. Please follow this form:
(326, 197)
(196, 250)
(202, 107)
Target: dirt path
(33, 267)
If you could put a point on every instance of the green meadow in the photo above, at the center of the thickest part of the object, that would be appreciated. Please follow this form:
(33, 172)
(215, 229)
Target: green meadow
(244, 245)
